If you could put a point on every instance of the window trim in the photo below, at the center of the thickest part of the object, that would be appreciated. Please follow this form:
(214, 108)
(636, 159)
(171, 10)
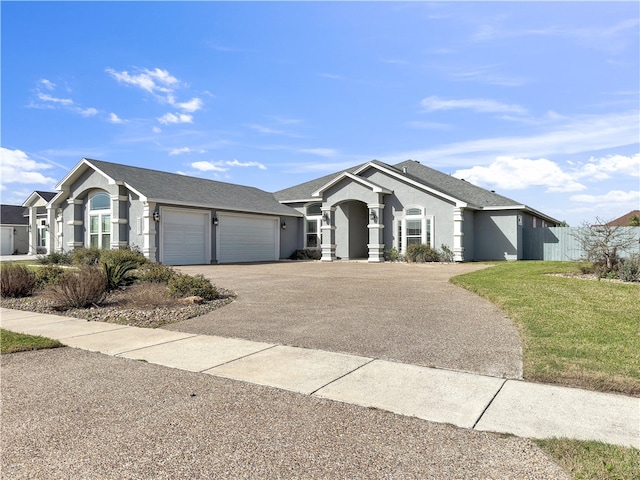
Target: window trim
(318, 221)
(427, 227)
(102, 215)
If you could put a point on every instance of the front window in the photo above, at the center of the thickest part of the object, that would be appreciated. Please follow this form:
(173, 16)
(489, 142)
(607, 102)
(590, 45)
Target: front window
(414, 228)
(42, 233)
(100, 221)
(312, 225)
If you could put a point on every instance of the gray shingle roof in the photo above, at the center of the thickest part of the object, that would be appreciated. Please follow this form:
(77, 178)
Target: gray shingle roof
(13, 215)
(182, 189)
(467, 192)
(47, 196)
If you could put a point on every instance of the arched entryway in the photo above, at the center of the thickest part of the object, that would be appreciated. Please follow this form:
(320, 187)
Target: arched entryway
(352, 233)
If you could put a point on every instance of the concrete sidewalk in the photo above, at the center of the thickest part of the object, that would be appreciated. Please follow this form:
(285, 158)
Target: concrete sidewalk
(466, 400)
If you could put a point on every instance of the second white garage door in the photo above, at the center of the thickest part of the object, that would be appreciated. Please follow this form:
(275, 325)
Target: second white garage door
(185, 237)
(247, 238)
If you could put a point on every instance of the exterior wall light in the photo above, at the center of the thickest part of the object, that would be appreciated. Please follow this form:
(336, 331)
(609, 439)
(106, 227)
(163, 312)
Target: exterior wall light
(325, 217)
(283, 225)
(156, 216)
(373, 216)
(215, 220)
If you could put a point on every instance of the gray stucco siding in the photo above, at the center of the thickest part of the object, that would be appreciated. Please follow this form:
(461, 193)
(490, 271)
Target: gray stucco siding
(496, 235)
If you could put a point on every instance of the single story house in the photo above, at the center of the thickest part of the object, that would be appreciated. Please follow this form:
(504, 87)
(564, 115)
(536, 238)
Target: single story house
(354, 214)
(14, 230)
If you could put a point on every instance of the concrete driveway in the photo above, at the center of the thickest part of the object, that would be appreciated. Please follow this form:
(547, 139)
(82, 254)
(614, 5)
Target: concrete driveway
(395, 311)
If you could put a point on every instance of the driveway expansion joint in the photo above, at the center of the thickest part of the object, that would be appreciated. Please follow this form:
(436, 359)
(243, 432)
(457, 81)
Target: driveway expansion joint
(341, 377)
(489, 404)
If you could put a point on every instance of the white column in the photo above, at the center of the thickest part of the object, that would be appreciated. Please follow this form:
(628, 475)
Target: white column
(458, 234)
(376, 229)
(328, 230)
(149, 231)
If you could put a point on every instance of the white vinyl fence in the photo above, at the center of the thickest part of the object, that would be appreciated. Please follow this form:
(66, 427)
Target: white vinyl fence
(561, 243)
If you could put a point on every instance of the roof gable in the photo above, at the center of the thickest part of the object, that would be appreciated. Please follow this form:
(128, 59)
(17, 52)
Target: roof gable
(360, 180)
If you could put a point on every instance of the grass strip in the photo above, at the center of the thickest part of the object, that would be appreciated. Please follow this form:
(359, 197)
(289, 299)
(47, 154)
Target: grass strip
(593, 460)
(11, 342)
(574, 332)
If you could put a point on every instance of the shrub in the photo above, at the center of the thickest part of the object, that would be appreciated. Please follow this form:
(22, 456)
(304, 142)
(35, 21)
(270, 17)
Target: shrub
(392, 255)
(55, 258)
(446, 254)
(420, 253)
(80, 288)
(16, 281)
(306, 254)
(123, 254)
(186, 286)
(86, 256)
(629, 270)
(119, 274)
(156, 273)
(48, 275)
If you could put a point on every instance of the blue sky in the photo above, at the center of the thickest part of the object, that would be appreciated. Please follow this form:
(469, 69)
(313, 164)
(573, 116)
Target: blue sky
(539, 101)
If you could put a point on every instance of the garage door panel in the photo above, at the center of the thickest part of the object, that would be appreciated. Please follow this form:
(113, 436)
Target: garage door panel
(184, 237)
(247, 239)
(6, 240)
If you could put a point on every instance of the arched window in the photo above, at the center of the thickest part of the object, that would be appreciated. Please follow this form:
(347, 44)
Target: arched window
(100, 221)
(414, 227)
(312, 225)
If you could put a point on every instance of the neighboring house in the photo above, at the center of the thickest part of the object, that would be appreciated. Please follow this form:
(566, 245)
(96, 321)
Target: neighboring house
(625, 220)
(38, 221)
(362, 211)
(14, 230)
(355, 214)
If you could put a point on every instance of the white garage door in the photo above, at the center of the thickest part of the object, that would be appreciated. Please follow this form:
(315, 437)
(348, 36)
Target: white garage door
(246, 238)
(185, 237)
(6, 240)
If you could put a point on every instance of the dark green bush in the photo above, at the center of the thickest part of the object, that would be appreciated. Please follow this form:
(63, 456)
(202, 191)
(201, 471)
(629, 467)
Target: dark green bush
(186, 286)
(48, 274)
(16, 280)
(393, 255)
(55, 258)
(86, 256)
(306, 254)
(446, 254)
(119, 274)
(420, 253)
(123, 254)
(156, 273)
(80, 288)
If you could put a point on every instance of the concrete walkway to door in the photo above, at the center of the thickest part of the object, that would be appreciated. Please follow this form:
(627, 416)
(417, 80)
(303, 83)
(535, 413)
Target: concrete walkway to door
(393, 311)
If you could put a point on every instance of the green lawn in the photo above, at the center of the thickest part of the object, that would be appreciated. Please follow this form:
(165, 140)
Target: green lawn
(11, 342)
(574, 332)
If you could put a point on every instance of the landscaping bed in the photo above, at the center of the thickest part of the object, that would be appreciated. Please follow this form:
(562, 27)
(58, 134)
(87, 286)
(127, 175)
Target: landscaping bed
(123, 307)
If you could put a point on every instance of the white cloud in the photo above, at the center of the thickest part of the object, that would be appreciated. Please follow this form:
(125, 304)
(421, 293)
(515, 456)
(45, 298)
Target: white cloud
(17, 167)
(192, 105)
(87, 112)
(180, 151)
(45, 97)
(48, 84)
(482, 105)
(236, 163)
(169, 118)
(614, 197)
(156, 129)
(159, 83)
(113, 118)
(209, 166)
(603, 167)
(509, 173)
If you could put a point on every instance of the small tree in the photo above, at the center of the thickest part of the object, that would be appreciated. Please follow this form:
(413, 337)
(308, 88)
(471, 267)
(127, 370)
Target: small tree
(601, 243)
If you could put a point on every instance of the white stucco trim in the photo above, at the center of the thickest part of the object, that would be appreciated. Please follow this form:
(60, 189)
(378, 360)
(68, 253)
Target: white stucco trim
(363, 181)
(457, 201)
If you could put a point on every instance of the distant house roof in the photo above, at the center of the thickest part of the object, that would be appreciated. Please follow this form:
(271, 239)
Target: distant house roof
(13, 215)
(624, 220)
(452, 187)
(172, 188)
